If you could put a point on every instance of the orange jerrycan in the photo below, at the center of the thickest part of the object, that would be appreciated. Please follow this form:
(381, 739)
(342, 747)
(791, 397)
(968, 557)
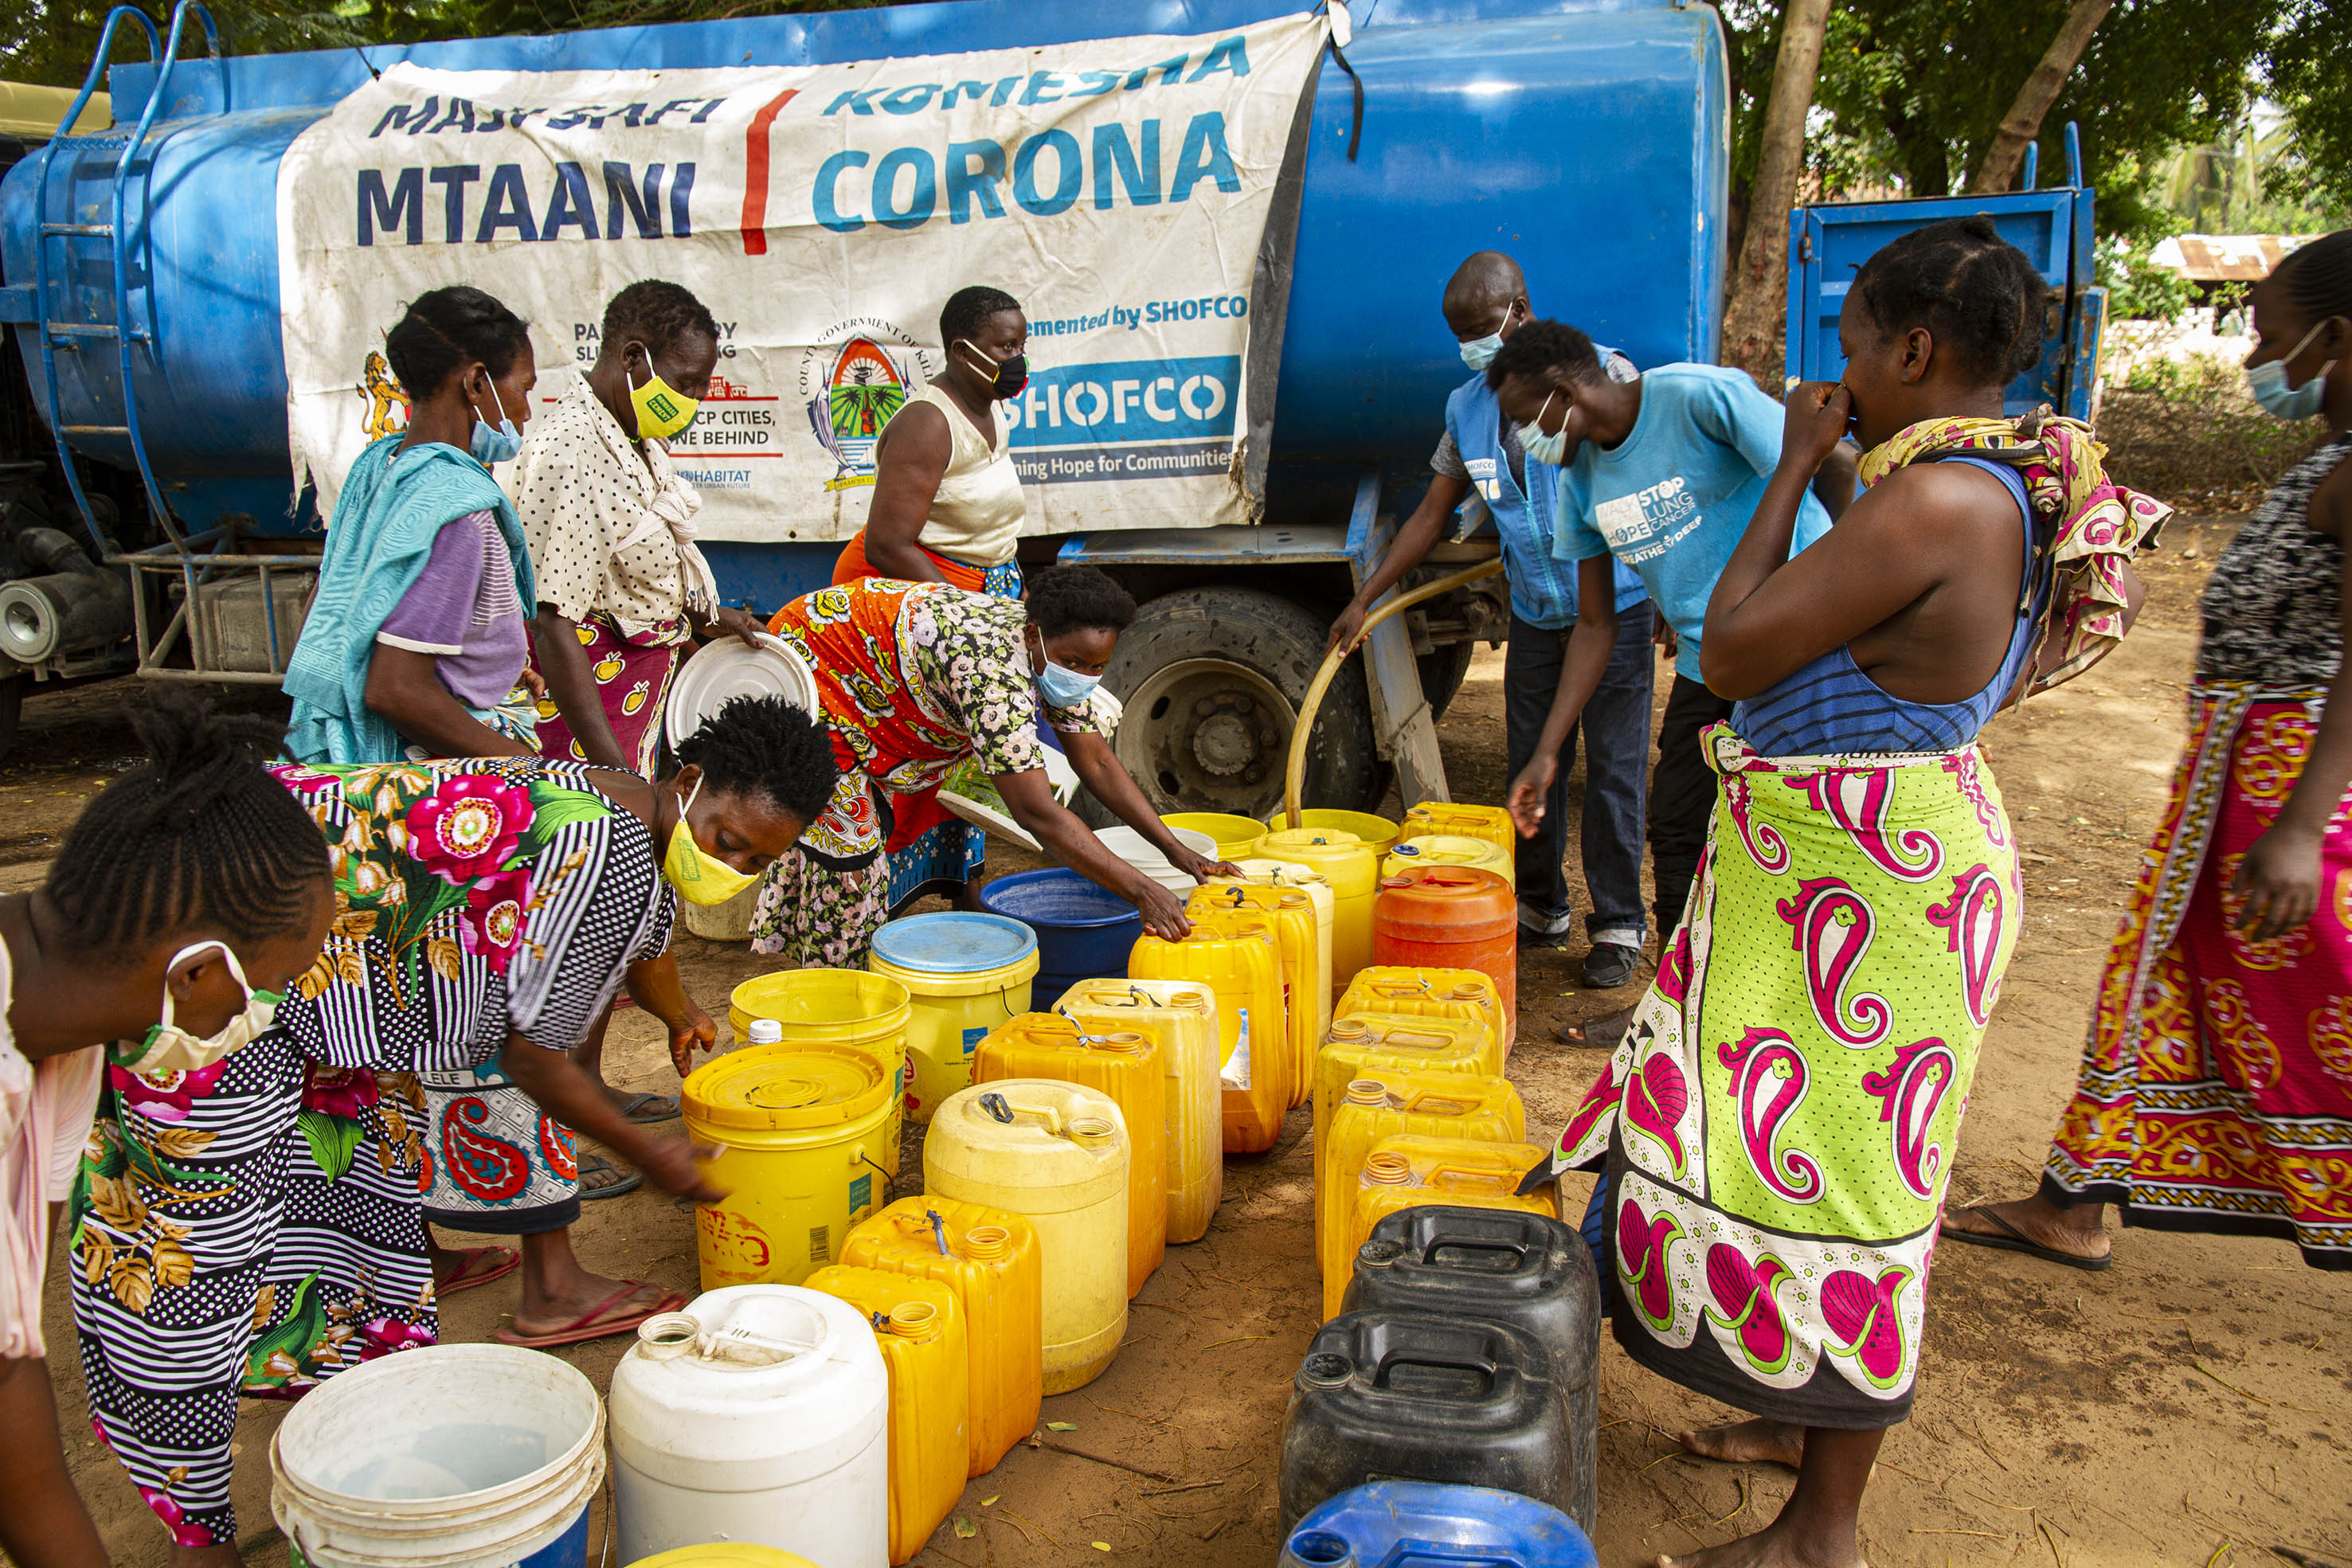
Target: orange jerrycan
(989, 1257)
(1454, 917)
(1431, 818)
(1407, 1170)
(925, 1347)
(1394, 991)
(1368, 1046)
(1057, 1153)
(1306, 972)
(1383, 1102)
(1245, 971)
(1354, 873)
(1183, 1018)
(1122, 1064)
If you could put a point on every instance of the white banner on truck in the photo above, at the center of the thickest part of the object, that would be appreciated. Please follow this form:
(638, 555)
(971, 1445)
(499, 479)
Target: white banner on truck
(1137, 195)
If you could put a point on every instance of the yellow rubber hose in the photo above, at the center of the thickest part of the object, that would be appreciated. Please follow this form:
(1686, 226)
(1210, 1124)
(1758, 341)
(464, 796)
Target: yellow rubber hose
(1295, 776)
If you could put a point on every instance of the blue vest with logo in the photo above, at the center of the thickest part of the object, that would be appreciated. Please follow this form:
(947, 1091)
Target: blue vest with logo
(1543, 587)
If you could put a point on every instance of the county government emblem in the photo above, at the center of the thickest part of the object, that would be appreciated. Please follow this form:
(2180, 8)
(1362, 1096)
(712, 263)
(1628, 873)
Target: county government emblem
(861, 375)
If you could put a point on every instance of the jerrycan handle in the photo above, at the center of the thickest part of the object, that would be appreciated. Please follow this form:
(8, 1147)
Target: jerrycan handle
(1478, 1178)
(996, 1107)
(938, 1231)
(1476, 1365)
(1444, 1242)
(1005, 1113)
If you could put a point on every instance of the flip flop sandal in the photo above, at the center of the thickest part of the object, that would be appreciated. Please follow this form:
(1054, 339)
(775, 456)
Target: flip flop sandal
(635, 1108)
(468, 1277)
(598, 1165)
(592, 1323)
(2016, 1241)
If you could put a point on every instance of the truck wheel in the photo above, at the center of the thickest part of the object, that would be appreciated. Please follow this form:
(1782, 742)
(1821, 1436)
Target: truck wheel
(1212, 678)
(12, 703)
(1442, 674)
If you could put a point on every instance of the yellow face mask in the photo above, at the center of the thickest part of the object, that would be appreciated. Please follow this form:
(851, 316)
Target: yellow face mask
(699, 876)
(662, 410)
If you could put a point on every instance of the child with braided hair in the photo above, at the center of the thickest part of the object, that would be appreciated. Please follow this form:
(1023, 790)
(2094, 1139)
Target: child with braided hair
(187, 897)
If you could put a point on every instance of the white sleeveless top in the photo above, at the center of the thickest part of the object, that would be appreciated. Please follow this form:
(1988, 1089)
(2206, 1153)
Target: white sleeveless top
(976, 514)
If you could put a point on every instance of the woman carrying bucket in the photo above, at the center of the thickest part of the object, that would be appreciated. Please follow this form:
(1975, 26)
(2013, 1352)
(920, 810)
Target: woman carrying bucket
(916, 677)
(188, 894)
(256, 1227)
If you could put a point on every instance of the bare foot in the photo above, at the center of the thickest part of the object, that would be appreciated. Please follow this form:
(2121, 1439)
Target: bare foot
(2077, 1232)
(1777, 1545)
(1757, 1442)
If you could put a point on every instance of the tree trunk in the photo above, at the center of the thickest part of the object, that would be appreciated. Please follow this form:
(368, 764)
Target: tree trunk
(1756, 324)
(2022, 123)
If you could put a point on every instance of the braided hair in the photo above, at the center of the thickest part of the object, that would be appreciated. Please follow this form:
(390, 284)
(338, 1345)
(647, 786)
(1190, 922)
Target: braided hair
(1544, 345)
(1074, 598)
(659, 315)
(1973, 290)
(198, 835)
(2318, 277)
(765, 747)
(445, 329)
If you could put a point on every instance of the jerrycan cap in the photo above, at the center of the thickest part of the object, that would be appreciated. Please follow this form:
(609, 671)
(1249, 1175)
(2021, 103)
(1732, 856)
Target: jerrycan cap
(766, 1031)
(1377, 1254)
(1411, 852)
(1350, 1030)
(1327, 1369)
(771, 1088)
(1367, 1092)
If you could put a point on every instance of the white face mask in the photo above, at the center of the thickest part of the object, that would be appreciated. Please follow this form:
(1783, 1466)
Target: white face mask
(1542, 446)
(1479, 352)
(170, 1048)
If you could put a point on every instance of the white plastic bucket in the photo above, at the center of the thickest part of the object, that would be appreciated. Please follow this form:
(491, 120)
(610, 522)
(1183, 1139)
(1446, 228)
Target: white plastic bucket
(1139, 853)
(453, 1456)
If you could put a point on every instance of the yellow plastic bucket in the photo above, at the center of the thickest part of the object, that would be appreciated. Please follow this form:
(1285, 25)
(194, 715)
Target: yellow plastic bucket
(801, 1131)
(835, 1006)
(1378, 833)
(965, 974)
(1235, 836)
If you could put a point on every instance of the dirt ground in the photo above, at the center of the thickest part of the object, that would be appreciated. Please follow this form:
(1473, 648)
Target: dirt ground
(2192, 1406)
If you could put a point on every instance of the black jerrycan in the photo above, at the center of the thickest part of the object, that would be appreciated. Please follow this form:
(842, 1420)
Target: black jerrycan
(1525, 1270)
(1392, 1395)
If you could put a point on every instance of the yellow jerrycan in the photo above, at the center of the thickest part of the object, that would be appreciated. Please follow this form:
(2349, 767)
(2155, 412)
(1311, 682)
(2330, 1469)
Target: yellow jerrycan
(1383, 1102)
(1183, 1018)
(803, 1131)
(1407, 1170)
(925, 1347)
(990, 1258)
(1351, 868)
(1368, 1045)
(1394, 991)
(1122, 1064)
(1452, 849)
(1433, 818)
(1235, 836)
(964, 974)
(1056, 1154)
(1377, 832)
(835, 1007)
(1305, 963)
(1244, 968)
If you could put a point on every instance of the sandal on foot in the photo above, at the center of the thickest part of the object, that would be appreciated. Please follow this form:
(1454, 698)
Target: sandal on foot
(592, 1323)
(645, 1109)
(505, 1260)
(2017, 1240)
(600, 1178)
(1596, 1034)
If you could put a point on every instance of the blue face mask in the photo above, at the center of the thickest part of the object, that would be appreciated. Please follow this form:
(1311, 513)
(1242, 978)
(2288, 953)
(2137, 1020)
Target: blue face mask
(1479, 352)
(2267, 383)
(490, 445)
(1540, 444)
(1063, 688)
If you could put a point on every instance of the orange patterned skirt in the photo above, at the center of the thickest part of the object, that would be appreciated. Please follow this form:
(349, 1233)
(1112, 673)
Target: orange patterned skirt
(2215, 1093)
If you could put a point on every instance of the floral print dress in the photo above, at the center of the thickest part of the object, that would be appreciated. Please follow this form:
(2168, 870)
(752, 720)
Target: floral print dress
(914, 678)
(258, 1226)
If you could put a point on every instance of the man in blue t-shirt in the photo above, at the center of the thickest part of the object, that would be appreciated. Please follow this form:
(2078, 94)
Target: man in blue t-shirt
(1479, 465)
(1661, 473)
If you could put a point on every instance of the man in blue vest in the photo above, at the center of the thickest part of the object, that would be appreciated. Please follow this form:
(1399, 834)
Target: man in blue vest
(1486, 301)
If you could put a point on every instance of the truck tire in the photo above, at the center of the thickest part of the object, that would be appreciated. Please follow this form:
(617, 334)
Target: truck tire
(1212, 678)
(1443, 671)
(12, 703)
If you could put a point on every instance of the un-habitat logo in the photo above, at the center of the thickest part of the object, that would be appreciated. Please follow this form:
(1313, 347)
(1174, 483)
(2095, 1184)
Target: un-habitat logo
(859, 373)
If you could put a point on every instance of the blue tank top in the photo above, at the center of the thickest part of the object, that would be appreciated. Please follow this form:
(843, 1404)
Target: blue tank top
(1831, 706)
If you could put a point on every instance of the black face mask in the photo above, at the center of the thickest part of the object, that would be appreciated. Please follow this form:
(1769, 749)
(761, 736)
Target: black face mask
(1011, 375)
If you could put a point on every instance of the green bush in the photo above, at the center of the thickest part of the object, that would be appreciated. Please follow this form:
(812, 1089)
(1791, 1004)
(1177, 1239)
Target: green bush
(2138, 289)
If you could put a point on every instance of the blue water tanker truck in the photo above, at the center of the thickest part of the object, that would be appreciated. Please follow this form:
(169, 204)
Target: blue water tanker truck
(160, 509)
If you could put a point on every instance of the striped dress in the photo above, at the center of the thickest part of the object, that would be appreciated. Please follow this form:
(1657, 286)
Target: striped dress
(258, 1226)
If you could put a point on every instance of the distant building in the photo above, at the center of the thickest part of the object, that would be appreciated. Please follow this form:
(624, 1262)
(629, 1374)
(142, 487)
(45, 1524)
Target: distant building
(2212, 260)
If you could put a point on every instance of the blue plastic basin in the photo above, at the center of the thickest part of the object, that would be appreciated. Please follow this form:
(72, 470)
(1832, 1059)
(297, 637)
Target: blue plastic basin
(1083, 931)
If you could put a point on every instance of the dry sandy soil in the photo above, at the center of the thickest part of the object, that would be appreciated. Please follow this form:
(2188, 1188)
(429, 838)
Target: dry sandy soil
(2192, 1406)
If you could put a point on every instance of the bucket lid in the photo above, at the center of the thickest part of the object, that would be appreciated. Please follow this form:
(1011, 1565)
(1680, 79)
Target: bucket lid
(725, 1554)
(727, 669)
(955, 943)
(771, 1088)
